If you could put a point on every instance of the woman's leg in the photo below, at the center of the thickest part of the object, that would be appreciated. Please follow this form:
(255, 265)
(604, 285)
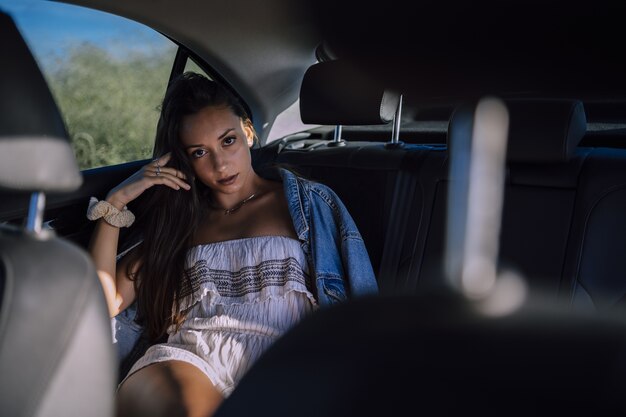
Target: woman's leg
(170, 388)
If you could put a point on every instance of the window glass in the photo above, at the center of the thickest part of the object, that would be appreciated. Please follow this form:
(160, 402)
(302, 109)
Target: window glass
(288, 122)
(191, 65)
(107, 74)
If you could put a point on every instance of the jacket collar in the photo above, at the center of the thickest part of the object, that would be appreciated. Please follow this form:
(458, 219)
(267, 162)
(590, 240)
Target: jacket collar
(296, 201)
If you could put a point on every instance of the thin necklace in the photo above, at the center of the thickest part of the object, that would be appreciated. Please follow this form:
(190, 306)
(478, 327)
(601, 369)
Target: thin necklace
(237, 206)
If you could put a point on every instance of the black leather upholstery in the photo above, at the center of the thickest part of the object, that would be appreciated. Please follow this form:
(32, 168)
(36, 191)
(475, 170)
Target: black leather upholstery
(333, 93)
(433, 354)
(593, 274)
(540, 130)
(544, 130)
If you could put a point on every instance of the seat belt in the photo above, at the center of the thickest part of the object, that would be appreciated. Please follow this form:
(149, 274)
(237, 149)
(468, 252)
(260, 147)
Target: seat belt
(401, 209)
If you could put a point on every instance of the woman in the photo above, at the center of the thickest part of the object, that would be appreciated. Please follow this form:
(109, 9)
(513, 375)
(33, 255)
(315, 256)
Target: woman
(229, 260)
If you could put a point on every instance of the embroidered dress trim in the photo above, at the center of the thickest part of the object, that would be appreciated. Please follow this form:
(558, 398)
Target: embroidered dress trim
(275, 265)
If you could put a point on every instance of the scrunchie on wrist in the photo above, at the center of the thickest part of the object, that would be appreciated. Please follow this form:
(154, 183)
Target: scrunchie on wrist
(109, 213)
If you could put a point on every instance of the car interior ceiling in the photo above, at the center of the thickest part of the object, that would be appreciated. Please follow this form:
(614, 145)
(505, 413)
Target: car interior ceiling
(562, 234)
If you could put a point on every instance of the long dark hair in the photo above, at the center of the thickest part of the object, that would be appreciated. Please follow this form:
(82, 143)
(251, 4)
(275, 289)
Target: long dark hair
(169, 217)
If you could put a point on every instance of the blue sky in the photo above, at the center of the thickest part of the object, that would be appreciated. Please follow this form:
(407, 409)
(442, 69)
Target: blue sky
(51, 28)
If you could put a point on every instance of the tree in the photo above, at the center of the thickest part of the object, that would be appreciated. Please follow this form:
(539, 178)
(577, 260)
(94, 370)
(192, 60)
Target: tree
(110, 104)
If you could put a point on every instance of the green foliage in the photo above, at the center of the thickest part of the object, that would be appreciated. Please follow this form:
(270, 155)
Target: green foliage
(110, 105)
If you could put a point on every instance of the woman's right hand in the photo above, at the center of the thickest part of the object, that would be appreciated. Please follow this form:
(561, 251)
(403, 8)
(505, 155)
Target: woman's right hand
(154, 173)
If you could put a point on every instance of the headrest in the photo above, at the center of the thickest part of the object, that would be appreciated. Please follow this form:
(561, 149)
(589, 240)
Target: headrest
(35, 154)
(540, 130)
(335, 93)
(544, 130)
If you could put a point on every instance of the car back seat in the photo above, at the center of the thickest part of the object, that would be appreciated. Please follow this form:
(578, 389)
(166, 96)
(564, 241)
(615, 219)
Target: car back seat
(543, 168)
(363, 174)
(561, 223)
(596, 255)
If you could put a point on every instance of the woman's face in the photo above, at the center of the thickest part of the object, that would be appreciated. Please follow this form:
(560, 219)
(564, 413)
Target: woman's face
(218, 143)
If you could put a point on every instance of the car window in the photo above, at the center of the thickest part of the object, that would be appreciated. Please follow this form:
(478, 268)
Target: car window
(190, 65)
(107, 74)
(287, 123)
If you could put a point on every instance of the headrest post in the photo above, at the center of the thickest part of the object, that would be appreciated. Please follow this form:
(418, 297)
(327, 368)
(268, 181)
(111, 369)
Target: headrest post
(337, 136)
(35, 212)
(337, 141)
(395, 133)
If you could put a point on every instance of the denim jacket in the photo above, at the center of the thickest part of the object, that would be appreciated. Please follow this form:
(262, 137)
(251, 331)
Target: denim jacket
(338, 260)
(337, 256)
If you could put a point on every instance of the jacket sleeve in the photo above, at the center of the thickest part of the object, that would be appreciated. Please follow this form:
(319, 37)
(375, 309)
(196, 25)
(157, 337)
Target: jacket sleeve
(355, 258)
(358, 274)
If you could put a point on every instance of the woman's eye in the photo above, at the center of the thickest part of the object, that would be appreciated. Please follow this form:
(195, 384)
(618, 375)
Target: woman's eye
(229, 140)
(198, 153)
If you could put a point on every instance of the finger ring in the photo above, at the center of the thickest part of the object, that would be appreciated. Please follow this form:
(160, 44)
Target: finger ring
(158, 170)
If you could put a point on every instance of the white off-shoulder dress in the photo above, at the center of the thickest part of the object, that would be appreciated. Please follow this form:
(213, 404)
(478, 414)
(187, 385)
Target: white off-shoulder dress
(245, 293)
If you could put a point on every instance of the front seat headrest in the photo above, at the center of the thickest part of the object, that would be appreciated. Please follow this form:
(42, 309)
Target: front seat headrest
(35, 154)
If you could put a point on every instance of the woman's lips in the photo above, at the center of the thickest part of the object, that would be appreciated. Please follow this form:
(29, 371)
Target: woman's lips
(228, 180)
